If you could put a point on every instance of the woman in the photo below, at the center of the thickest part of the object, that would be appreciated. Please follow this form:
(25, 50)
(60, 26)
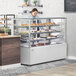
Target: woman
(34, 15)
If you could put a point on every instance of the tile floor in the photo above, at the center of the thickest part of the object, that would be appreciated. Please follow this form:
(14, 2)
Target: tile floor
(55, 68)
(67, 70)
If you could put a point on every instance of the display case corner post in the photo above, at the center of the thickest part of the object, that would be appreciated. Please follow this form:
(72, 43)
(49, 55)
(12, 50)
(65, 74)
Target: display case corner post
(12, 28)
(29, 31)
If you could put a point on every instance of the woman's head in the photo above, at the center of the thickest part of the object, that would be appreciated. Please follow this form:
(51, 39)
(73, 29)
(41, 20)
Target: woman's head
(34, 12)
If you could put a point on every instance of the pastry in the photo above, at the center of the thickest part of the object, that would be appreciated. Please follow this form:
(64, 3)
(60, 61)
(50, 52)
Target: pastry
(47, 43)
(32, 31)
(32, 24)
(36, 38)
(40, 23)
(51, 36)
(38, 31)
(3, 34)
(26, 32)
(33, 45)
(50, 30)
(8, 18)
(24, 24)
(36, 24)
(43, 23)
(1, 23)
(47, 23)
(3, 18)
(46, 29)
(48, 37)
(53, 23)
(42, 30)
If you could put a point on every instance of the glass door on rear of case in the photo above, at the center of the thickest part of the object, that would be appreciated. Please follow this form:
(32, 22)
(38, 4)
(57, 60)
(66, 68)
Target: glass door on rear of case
(22, 28)
(60, 31)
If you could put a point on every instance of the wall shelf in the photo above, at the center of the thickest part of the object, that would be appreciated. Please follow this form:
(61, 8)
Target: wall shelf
(31, 6)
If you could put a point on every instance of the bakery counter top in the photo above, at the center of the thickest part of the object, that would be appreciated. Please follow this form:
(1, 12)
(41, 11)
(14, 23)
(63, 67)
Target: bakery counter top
(10, 36)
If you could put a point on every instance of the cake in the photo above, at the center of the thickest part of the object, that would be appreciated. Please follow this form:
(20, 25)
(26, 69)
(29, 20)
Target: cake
(40, 44)
(33, 45)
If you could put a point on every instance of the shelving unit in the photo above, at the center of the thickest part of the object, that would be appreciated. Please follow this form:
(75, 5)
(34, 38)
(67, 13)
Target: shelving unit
(30, 5)
(42, 39)
(10, 16)
(2, 22)
(6, 21)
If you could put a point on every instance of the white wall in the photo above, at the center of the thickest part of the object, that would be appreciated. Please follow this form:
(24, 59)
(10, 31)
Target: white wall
(52, 8)
(71, 33)
(9, 6)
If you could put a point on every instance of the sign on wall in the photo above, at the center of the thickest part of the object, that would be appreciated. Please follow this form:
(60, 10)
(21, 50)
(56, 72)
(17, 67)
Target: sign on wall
(70, 5)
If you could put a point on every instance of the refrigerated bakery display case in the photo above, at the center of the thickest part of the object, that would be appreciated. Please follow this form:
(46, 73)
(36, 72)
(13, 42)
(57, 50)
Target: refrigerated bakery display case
(42, 39)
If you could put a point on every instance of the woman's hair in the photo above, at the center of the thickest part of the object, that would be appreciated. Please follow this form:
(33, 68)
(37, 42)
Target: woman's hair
(34, 9)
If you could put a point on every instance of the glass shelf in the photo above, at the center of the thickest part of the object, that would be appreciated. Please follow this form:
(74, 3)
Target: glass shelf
(37, 26)
(37, 32)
